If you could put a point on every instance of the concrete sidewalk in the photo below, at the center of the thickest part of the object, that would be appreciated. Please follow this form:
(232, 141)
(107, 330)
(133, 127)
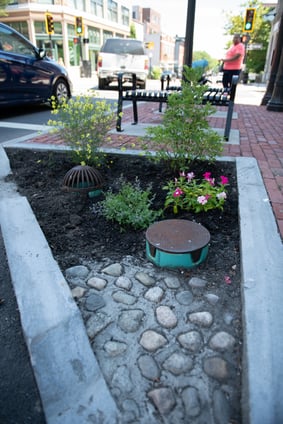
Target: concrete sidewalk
(31, 262)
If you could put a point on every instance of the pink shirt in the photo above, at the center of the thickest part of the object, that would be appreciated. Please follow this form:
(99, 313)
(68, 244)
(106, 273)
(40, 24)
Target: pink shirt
(236, 64)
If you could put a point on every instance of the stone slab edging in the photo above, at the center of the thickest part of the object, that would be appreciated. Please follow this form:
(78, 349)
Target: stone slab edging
(67, 373)
(262, 297)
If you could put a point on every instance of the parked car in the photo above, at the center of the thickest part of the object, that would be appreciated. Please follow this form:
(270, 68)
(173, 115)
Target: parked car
(125, 55)
(27, 75)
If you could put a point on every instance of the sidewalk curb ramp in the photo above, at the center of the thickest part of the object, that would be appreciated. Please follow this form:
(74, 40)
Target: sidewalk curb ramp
(70, 383)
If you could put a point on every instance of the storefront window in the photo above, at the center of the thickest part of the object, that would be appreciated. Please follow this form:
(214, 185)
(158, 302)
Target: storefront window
(21, 27)
(52, 45)
(94, 36)
(107, 34)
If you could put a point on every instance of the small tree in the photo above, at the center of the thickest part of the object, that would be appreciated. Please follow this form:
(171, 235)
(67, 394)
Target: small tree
(185, 134)
(133, 33)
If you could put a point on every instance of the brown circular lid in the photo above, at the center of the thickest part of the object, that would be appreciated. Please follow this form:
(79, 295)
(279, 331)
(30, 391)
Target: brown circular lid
(177, 236)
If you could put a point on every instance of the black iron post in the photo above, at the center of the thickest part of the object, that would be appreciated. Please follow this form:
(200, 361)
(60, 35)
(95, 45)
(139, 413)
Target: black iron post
(276, 101)
(275, 66)
(189, 40)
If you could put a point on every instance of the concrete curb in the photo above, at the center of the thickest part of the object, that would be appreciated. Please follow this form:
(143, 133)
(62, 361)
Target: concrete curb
(67, 378)
(67, 374)
(262, 296)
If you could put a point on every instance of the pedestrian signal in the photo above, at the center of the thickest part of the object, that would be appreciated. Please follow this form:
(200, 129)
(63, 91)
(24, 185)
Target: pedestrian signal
(49, 23)
(79, 25)
(249, 19)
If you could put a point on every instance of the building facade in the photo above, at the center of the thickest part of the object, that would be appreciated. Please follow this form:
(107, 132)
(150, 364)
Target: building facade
(100, 18)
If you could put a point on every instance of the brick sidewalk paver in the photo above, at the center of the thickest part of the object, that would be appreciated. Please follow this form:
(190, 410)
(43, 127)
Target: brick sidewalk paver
(261, 137)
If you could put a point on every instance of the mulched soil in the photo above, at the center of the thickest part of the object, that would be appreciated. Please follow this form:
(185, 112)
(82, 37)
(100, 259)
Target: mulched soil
(76, 232)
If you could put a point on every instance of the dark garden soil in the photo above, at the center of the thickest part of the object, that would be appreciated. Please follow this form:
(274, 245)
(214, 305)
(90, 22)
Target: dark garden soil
(76, 231)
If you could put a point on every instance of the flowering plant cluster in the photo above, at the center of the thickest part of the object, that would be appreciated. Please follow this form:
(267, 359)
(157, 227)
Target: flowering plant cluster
(187, 193)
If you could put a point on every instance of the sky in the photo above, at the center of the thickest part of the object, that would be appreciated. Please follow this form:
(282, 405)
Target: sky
(209, 21)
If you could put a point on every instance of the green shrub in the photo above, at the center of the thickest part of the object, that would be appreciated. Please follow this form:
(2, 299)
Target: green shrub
(185, 134)
(83, 124)
(130, 207)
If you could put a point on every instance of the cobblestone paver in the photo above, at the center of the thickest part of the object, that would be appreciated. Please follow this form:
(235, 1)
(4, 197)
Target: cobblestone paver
(167, 345)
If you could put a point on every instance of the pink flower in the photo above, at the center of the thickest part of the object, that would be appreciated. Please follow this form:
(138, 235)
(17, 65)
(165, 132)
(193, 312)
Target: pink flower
(202, 200)
(178, 192)
(227, 279)
(207, 175)
(221, 195)
(224, 180)
(182, 174)
(190, 176)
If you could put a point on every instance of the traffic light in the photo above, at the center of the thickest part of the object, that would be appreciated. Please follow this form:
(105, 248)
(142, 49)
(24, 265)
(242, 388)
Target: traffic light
(49, 23)
(149, 45)
(79, 25)
(249, 20)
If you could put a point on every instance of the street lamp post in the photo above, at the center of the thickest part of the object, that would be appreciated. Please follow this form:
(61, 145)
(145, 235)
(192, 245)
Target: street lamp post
(188, 55)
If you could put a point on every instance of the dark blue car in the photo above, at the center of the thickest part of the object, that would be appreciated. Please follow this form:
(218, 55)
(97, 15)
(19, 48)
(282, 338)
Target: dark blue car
(27, 75)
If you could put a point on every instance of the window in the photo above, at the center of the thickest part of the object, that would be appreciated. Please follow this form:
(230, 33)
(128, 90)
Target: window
(77, 4)
(40, 27)
(94, 36)
(96, 7)
(125, 16)
(45, 1)
(123, 46)
(21, 27)
(107, 34)
(112, 11)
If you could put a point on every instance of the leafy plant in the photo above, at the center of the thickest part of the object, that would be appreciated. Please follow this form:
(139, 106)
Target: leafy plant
(187, 193)
(83, 124)
(131, 206)
(185, 134)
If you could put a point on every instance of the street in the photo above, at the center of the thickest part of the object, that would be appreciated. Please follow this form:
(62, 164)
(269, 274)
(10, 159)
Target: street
(24, 121)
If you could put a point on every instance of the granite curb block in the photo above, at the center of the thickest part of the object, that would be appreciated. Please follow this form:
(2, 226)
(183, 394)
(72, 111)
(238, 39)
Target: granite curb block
(65, 368)
(262, 297)
(67, 377)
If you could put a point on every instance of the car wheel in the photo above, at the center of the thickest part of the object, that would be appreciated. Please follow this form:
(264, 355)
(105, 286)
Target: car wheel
(61, 91)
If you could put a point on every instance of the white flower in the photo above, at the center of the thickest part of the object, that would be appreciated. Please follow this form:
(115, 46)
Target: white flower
(202, 200)
(221, 195)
